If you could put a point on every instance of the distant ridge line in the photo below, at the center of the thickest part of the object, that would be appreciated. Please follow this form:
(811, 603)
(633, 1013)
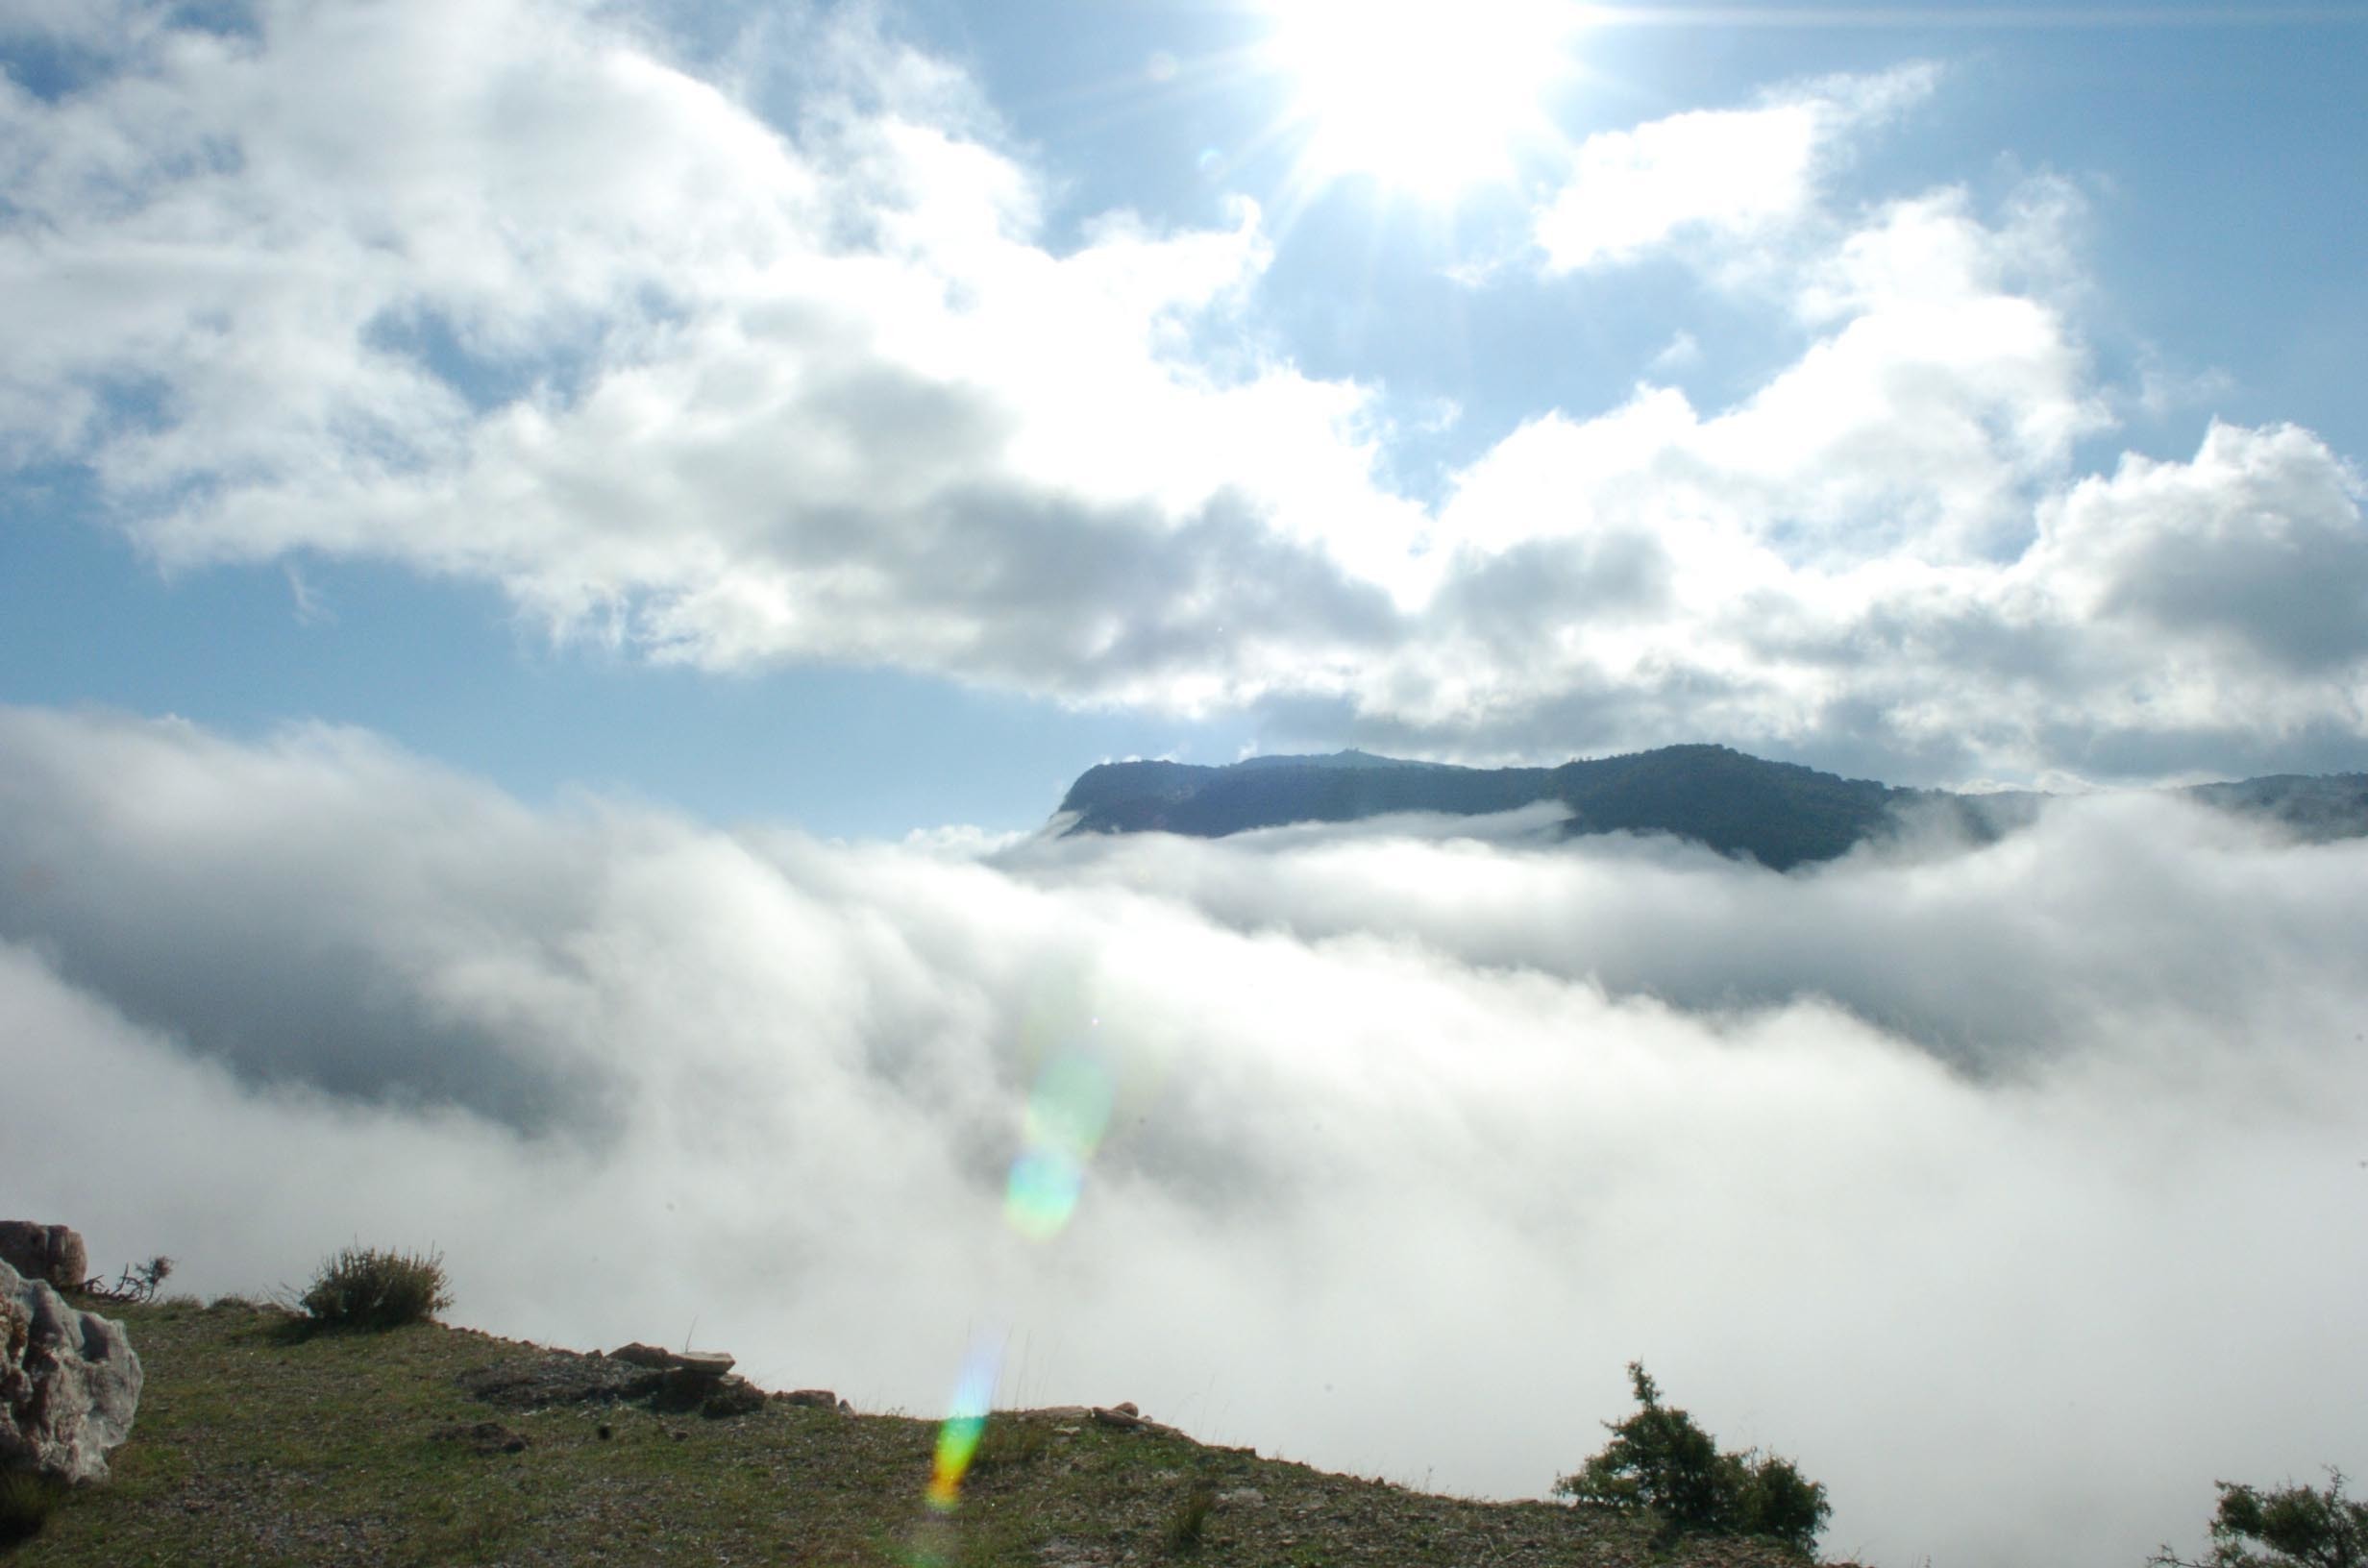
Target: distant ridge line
(1781, 814)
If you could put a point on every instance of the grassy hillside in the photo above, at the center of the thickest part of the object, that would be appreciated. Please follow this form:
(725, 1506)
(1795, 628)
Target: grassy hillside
(257, 1444)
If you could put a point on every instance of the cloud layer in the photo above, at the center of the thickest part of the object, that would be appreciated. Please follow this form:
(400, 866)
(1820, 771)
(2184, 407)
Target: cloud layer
(522, 292)
(1963, 1177)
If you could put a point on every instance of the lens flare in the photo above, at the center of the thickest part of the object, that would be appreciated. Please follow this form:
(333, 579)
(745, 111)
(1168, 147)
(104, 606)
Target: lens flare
(957, 1440)
(1068, 1111)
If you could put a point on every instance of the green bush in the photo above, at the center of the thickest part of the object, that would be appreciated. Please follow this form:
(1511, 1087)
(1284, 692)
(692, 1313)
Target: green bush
(1661, 1464)
(2287, 1526)
(363, 1287)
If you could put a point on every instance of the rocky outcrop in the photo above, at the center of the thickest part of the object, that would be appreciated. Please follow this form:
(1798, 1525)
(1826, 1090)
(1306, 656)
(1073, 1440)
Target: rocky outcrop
(1127, 1418)
(669, 1381)
(638, 1354)
(51, 1253)
(706, 1364)
(69, 1384)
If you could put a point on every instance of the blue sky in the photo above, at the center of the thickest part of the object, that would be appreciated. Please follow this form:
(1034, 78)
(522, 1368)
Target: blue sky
(868, 417)
(493, 489)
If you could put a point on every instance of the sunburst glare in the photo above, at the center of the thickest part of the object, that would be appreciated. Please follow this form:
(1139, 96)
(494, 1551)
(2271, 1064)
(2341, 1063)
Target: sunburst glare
(1430, 96)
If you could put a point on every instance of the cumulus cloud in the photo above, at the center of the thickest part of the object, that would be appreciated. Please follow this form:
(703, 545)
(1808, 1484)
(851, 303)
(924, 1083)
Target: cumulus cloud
(2003, 1174)
(497, 291)
(2257, 544)
(1938, 395)
(2172, 617)
(512, 293)
(1724, 175)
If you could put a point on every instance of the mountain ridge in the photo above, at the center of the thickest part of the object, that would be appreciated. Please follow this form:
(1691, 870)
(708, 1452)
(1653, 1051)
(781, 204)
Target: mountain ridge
(1782, 814)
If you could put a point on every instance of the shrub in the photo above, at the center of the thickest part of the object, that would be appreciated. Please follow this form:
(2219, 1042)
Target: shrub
(2287, 1526)
(363, 1287)
(1661, 1464)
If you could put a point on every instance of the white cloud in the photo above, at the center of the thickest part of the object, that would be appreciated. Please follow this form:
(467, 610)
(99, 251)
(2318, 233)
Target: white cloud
(1420, 1135)
(2253, 554)
(2208, 608)
(1723, 174)
(492, 290)
(499, 293)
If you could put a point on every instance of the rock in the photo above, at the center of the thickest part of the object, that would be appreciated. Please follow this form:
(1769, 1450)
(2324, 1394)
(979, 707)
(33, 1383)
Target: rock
(707, 1363)
(1128, 1418)
(821, 1399)
(52, 1253)
(69, 1384)
(640, 1354)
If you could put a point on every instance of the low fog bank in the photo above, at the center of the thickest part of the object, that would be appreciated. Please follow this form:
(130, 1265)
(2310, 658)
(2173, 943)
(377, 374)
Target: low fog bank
(1414, 1139)
(2105, 912)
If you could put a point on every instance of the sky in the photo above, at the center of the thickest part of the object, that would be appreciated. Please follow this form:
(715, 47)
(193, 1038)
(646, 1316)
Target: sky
(555, 554)
(867, 416)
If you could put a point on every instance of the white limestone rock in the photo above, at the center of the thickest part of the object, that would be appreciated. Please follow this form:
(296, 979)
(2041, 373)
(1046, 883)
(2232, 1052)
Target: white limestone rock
(69, 1384)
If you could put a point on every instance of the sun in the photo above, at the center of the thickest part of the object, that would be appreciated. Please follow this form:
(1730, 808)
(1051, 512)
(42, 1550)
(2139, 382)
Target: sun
(1429, 95)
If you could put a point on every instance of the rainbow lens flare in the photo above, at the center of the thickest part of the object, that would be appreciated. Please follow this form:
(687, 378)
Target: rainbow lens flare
(1068, 1111)
(957, 1443)
(957, 1440)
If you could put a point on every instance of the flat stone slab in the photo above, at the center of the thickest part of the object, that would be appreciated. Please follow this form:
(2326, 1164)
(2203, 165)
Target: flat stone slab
(705, 1364)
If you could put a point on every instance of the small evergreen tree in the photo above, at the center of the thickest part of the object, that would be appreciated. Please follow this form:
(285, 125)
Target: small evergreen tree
(2287, 1527)
(1660, 1463)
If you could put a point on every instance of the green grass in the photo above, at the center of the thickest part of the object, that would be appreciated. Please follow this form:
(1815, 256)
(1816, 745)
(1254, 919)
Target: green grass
(258, 1445)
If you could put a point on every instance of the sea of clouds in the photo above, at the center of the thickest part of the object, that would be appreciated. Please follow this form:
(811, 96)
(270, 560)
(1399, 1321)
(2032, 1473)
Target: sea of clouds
(2014, 1191)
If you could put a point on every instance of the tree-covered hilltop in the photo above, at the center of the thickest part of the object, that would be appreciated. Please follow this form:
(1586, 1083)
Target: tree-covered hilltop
(1779, 813)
